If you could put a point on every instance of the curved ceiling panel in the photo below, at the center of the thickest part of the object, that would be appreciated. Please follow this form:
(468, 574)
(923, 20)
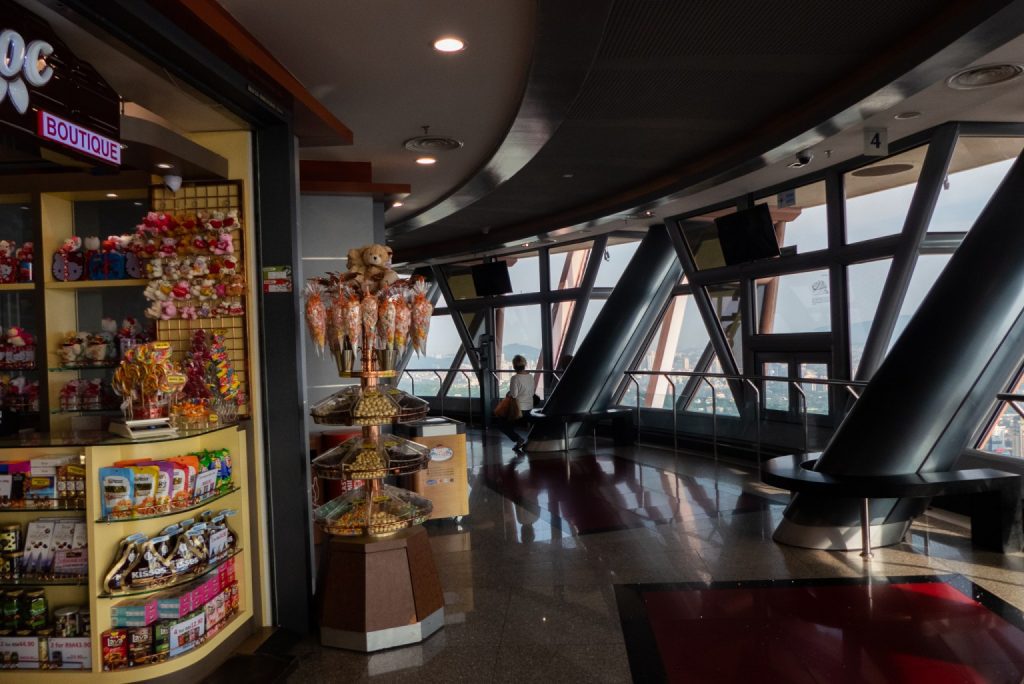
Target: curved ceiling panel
(681, 91)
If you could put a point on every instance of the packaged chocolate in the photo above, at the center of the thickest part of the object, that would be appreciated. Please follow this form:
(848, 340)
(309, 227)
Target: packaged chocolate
(38, 557)
(66, 621)
(6, 480)
(10, 538)
(144, 490)
(162, 638)
(128, 556)
(15, 564)
(134, 613)
(191, 465)
(114, 647)
(140, 645)
(154, 565)
(118, 486)
(180, 492)
(184, 556)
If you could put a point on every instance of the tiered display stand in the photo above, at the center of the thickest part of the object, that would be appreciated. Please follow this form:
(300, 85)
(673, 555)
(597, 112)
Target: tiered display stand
(378, 584)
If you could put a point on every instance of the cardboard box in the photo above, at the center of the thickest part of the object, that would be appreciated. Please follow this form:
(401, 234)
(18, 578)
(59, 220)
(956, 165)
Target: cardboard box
(136, 613)
(445, 480)
(174, 606)
(75, 652)
(187, 634)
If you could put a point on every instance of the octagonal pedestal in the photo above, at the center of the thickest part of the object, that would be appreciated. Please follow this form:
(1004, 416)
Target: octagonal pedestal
(378, 593)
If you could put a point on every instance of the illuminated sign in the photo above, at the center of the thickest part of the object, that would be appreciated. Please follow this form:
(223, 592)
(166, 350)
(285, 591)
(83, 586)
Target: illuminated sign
(18, 61)
(76, 137)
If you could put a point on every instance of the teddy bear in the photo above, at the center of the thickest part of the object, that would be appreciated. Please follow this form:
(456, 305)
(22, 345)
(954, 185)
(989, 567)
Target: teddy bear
(223, 245)
(168, 247)
(8, 264)
(376, 261)
(200, 266)
(235, 286)
(19, 337)
(25, 256)
(354, 263)
(153, 310)
(181, 290)
(168, 310)
(155, 268)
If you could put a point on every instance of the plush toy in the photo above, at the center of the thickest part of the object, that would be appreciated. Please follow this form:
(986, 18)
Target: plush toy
(199, 245)
(19, 337)
(25, 256)
(355, 261)
(188, 312)
(200, 266)
(223, 245)
(168, 310)
(69, 262)
(376, 261)
(8, 264)
(235, 286)
(204, 311)
(168, 247)
(175, 268)
(91, 244)
(106, 263)
(154, 309)
(181, 290)
(155, 268)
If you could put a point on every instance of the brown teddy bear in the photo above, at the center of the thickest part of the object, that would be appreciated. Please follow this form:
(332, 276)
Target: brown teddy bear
(376, 261)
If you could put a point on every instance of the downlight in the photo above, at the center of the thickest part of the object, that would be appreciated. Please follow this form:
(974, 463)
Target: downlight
(881, 170)
(432, 143)
(984, 76)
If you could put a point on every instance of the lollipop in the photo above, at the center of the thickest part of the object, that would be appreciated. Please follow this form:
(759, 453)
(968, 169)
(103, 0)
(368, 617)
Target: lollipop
(353, 321)
(386, 323)
(421, 311)
(403, 317)
(369, 307)
(316, 315)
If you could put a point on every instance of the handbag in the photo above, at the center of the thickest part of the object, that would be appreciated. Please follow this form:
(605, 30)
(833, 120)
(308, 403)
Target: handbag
(508, 408)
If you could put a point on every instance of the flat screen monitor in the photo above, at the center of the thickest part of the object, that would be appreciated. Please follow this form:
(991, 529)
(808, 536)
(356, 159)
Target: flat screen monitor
(491, 279)
(747, 235)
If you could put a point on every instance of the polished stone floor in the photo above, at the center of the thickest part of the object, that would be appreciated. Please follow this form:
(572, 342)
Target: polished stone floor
(530, 575)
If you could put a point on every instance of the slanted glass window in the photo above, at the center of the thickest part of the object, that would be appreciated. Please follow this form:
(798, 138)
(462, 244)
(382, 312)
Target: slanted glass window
(864, 282)
(594, 307)
(460, 280)
(523, 272)
(443, 343)
(800, 218)
(701, 236)
(794, 303)
(614, 261)
(567, 265)
(1007, 434)
(878, 195)
(725, 299)
(816, 393)
(776, 392)
(723, 403)
(926, 272)
(679, 343)
(975, 171)
(463, 382)
(517, 331)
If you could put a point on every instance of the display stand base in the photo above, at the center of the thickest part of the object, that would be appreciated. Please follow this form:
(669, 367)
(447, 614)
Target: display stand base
(378, 593)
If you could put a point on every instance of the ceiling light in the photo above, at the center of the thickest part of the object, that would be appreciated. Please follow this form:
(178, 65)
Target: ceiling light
(164, 165)
(984, 76)
(903, 116)
(432, 143)
(138, 204)
(25, 208)
(112, 195)
(396, 204)
(449, 44)
(426, 161)
(881, 170)
(526, 244)
(567, 175)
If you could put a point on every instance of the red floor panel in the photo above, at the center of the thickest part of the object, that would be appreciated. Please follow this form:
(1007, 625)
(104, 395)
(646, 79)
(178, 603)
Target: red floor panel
(830, 631)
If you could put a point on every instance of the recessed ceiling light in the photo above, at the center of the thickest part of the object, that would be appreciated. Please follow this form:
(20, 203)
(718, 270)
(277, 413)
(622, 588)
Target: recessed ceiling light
(526, 244)
(25, 208)
(396, 204)
(138, 204)
(164, 165)
(881, 170)
(426, 161)
(984, 76)
(903, 116)
(112, 195)
(568, 175)
(449, 44)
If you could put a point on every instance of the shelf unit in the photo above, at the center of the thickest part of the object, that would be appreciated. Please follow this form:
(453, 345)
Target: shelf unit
(95, 284)
(104, 537)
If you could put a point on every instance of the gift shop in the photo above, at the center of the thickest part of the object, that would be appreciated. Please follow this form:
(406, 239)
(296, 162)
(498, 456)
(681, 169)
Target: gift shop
(135, 543)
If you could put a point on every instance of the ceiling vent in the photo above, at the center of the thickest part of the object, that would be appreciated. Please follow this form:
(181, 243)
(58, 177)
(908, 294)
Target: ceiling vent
(881, 170)
(432, 143)
(984, 76)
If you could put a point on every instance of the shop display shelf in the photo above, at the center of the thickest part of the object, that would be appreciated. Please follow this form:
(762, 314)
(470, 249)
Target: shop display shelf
(91, 284)
(17, 287)
(173, 511)
(14, 369)
(42, 505)
(369, 406)
(361, 459)
(59, 411)
(175, 581)
(84, 366)
(392, 510)
(46, 582)
(224, 628)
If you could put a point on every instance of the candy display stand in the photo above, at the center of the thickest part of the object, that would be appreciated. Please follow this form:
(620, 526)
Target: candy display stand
(379, 587)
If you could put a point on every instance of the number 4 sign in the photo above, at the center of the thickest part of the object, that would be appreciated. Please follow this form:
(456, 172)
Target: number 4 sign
(876, 142)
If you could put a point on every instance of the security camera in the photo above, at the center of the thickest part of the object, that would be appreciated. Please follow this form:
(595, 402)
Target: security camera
(172, 183)
(802, 159)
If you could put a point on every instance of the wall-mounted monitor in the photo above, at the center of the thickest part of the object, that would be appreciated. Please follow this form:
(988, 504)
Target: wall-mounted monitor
(491, 279)
(747, 235)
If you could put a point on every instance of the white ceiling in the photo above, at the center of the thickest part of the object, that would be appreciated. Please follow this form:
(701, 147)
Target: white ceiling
(372, 63)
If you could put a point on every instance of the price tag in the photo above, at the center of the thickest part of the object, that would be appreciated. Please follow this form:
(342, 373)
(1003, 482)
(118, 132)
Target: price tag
(876, 142)
(277, 278)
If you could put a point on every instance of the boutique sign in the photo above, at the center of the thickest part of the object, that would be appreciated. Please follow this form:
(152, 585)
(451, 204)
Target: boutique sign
(48, 93)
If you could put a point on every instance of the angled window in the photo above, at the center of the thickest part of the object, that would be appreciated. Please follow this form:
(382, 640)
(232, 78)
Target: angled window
(975, 171)
(443, 343)
(725, 299)
(677, 345)
(794, 303)
(613, 262)
(800, 218)
(1006, 436)
(517, 331)
(523, 272)
(722, 404)
(566, 265)
(926, 272)
(864, 284)
(878, 195)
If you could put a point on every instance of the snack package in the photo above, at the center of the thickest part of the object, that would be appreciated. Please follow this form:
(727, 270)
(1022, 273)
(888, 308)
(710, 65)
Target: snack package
(114, 648)
(403, 317)
(354, 321)
(38, 558)
(118, 486)
(144, 491)
(316, 316)
(191, 465)
(386, 324)
(164, 485)
(421, 312)
(154, 565)
(127, 557)
(369, 308)
(180, 494)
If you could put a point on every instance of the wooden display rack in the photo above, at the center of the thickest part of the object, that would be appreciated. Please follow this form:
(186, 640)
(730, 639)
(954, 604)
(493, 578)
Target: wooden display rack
(378, 592)
(104, 538)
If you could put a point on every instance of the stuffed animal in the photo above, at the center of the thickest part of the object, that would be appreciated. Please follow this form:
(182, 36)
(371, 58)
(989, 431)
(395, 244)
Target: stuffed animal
(154, 309)
(68, 261)
(235, 286)
(25, 256)
(168, 310)
(168, 247)
(8, 264)
(223, 245)
(155, 268)
(188, 312)
(181, 290)
(91, 244)
(376, 261)
(355, 261)
(106, 263)
(19, 337)
(200, 266)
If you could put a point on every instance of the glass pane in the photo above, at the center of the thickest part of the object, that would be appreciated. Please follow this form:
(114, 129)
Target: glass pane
(678, 344)
(442, 344)
(865, 282)
(976, 169)
(725, 299)
(796, 302)
(524, 272)
(878, 195)
(594, 307)
(723, 403)
(561, 314)
(566, 267)
(702, 239)
(925, 274)
(16, 219)
(461, 383)
(517, 331)
(800, 217)
(460, 281)
(776, 393)
(614, 263)
(817, 395)
(1007, 435)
